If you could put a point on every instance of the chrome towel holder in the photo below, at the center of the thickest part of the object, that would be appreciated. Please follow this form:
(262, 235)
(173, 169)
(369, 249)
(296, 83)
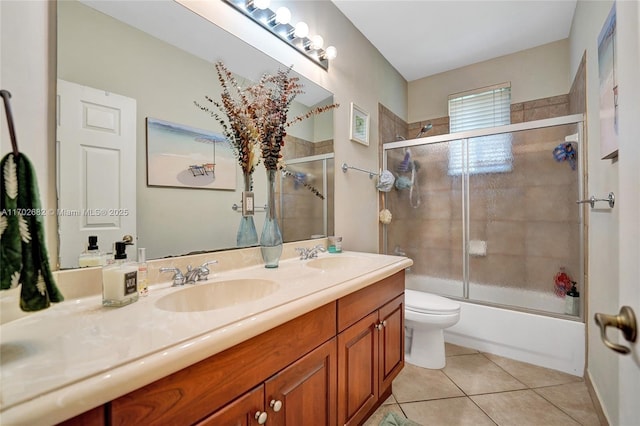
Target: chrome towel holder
(346, 167)
(611, 199)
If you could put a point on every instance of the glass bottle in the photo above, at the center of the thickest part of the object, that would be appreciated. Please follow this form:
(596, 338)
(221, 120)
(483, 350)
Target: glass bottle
(271, 237)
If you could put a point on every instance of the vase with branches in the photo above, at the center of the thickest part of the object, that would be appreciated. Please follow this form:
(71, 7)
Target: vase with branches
(255, 120)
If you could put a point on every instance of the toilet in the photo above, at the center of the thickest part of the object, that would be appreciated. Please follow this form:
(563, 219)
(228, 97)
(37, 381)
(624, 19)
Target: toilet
(426, 317)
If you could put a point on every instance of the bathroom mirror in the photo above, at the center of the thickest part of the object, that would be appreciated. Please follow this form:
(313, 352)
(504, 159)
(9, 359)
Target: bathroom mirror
(161, 55)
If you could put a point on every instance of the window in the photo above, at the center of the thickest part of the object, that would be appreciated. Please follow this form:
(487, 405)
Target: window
(477, 109)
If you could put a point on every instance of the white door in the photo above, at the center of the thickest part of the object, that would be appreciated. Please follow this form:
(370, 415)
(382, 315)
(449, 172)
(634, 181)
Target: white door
(629, 190)
(628, 203)
(96, 165)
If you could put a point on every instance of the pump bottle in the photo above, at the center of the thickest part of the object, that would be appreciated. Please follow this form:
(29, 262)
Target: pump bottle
(92, 256)
(120, 279)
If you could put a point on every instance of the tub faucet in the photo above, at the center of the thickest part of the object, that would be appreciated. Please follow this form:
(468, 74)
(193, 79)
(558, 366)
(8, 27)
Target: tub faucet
(310, 253)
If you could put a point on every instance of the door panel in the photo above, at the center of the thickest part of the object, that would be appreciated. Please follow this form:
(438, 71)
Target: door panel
(305, 392)
(358, 367)
(96, 139)
(392, 341)
(241, 412)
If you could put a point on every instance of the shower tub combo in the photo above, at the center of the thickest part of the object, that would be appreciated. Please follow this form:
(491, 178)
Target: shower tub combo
(493, 229)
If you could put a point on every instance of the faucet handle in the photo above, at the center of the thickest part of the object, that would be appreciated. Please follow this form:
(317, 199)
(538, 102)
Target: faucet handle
(203, 273)
(304, 252)
(178, 276)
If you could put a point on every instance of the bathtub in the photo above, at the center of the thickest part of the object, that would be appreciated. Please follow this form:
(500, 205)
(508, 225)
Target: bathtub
(546, 341)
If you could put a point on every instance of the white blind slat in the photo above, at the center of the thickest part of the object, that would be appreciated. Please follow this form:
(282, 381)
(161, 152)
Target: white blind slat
(486, 154)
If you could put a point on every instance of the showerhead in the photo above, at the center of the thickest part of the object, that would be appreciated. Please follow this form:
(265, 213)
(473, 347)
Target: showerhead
(424, 129)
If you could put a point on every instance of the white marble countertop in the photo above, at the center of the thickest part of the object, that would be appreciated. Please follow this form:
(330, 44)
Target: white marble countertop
(76, 355)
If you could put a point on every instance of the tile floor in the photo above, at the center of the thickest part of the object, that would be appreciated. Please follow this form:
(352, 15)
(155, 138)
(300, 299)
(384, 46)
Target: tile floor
(477, 388)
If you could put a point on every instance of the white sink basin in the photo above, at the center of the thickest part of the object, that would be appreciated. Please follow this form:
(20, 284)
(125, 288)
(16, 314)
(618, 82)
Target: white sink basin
(216, 295)
(337, 262)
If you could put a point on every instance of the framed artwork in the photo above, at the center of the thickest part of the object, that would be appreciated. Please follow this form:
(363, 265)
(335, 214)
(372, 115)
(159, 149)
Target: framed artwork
(359, 128)
(607, 52)
(186, 157)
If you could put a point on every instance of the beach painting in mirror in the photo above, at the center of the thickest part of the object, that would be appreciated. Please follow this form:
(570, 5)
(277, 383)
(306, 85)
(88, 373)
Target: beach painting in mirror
(186, 157)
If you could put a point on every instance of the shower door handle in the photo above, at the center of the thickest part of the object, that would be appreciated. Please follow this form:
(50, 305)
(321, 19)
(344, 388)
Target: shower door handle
(625, 321)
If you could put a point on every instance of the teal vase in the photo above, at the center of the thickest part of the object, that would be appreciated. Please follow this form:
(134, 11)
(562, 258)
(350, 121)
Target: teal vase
(247, 235)
(271, 237)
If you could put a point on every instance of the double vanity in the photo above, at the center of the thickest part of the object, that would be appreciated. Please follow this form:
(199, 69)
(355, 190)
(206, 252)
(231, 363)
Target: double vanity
(314, 341)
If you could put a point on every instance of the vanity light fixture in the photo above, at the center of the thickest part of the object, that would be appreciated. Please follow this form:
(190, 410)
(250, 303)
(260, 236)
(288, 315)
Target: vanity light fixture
(279, 24)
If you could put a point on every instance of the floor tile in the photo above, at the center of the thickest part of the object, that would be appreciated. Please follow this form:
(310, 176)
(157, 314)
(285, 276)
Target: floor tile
(573, 399)
(390, 400)
(419, 384)
(532, 375)
(381, 413)
(452, 350)
(522, 408)
(449, 412)
(476, 374)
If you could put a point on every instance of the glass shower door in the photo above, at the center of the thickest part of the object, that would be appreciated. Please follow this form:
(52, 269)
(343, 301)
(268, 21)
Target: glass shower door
(523, 220)
(306, 213)
(426, 205)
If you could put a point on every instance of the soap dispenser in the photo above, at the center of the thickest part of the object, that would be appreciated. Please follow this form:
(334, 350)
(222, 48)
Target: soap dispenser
(572, 301)
(92, 256)
(120, 279)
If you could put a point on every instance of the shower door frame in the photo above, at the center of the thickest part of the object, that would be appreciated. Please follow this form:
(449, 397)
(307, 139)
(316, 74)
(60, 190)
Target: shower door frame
(325, 185)
(527, 125)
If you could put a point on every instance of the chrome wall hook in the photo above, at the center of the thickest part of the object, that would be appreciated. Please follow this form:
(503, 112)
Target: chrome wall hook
(611, 199)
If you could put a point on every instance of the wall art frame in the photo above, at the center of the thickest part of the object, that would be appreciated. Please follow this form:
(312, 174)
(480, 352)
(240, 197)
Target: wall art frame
(607, 53)
(359, 125)
(180, 156)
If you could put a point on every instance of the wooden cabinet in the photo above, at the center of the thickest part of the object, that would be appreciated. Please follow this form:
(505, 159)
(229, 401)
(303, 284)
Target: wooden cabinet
(194, 393)
(302, 394)
(371, 349)
(247, 410)
(333, 365)
(305, 392)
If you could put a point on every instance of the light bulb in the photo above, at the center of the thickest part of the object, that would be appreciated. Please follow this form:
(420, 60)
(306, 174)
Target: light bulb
(317, 42)
(261, 4)
(331, 53)
(283, 15)
(302, 30)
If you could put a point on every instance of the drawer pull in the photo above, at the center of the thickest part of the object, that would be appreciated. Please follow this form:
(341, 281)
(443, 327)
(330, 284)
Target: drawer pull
(261, 417)
(275, 405)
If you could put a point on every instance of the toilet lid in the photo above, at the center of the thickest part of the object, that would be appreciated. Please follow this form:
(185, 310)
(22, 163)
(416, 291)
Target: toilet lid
(428, 303)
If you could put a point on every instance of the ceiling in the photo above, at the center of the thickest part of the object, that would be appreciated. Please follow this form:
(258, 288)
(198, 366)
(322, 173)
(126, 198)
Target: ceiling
(421, 38)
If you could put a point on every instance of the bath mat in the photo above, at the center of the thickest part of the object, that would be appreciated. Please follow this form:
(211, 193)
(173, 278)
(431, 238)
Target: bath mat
(394, 419)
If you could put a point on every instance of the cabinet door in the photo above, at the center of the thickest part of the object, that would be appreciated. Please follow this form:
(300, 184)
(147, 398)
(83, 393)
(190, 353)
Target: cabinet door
(391, 317)
(358, 370)
(305, 392)
(244, 411)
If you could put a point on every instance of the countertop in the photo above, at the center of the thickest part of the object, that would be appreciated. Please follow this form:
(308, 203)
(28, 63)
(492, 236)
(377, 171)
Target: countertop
(76, 355)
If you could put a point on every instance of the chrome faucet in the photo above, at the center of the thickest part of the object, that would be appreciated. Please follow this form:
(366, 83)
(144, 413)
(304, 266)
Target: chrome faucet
(178, 276)
(310, 253)
(200, 273)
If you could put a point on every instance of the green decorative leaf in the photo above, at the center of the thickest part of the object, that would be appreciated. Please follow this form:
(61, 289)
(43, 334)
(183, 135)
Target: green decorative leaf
(10, 178)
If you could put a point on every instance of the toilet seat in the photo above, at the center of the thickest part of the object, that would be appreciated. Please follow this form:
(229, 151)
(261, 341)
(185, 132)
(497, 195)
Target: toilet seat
(427, 303)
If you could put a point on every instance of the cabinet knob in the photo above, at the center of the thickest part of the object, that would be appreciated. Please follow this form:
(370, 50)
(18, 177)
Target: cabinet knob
(261, 417)
(381, 325)
(276, 405)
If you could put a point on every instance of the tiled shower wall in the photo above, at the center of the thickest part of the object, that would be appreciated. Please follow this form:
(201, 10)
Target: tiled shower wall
(302, 213)
(528, 217)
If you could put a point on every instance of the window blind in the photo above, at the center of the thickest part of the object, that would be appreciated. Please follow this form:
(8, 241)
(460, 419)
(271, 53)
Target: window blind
(481, 108)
